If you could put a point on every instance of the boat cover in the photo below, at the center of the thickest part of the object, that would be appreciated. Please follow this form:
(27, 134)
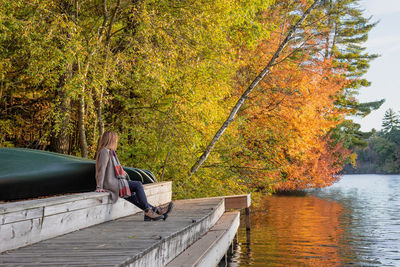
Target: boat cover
(29, 173)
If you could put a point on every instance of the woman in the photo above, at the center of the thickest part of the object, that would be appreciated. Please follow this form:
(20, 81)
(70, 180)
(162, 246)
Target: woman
(107, 171)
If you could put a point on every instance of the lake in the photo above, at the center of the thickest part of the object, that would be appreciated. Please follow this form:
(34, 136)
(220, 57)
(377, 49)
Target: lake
(354, 222)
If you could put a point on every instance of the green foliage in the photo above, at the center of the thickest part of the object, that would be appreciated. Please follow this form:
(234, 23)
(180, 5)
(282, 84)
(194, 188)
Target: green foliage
(160, 73)
(345, 40)
(390, 122)
(382, 153)
(349, 133)
(164, 75)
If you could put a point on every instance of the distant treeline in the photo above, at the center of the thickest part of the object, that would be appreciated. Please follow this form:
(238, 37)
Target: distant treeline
(381, 154)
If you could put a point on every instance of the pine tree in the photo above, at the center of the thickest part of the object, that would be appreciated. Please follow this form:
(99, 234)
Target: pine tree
(391, 121)
(348, 29)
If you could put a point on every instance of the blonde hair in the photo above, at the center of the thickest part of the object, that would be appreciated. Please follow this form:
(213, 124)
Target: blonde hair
(108, 140)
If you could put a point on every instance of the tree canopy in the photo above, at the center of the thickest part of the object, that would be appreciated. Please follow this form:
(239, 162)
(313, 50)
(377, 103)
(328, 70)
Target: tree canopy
(165, 75)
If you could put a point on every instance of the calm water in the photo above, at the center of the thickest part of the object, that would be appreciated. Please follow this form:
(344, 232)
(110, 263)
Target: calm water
(354, 222)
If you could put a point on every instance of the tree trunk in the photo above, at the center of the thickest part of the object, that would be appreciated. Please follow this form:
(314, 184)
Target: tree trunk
(81, 103)
(59, 140)
(244, 96)
(107, 55)
(85, 67)
(81, 126)
(100, 116)
(100, 96)
(163, 167)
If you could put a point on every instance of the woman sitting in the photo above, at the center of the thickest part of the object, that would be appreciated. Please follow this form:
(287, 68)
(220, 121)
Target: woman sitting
(110, 177)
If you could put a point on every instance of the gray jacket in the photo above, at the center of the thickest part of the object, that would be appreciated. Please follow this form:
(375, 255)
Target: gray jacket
(105, 175)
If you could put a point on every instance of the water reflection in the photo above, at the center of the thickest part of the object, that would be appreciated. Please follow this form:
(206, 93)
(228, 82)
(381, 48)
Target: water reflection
(354, 222)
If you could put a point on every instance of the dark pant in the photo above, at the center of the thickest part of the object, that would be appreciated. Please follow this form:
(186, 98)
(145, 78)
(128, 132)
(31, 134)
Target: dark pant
(138, 197)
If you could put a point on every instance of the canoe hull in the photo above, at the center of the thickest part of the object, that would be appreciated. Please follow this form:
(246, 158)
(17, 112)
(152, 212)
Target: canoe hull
(27, 173)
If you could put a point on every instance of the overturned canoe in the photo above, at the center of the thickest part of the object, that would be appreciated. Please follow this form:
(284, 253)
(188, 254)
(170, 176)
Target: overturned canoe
(27, 173)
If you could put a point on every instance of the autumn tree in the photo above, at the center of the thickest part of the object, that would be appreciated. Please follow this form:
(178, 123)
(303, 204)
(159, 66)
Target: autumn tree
(166, 74)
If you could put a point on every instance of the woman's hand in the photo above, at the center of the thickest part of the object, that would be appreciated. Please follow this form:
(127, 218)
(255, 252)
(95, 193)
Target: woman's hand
(100, 190)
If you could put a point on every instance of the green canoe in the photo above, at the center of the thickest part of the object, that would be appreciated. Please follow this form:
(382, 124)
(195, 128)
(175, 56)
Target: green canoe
(28, 173)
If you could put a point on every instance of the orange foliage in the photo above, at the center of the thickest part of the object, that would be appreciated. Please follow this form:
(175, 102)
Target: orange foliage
(288, 123)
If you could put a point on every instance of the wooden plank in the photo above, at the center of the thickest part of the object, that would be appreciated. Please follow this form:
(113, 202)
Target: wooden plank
(21, 215)
(127, 240)
(238, 201)
(235, 201)
(73, 205)
(169, 247)
(152, 189)
(211, 247)
(43, 220)
(35, 203)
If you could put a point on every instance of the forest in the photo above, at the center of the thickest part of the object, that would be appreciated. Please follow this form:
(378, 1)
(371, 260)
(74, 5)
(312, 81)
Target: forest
(380, 153)
(176, 80)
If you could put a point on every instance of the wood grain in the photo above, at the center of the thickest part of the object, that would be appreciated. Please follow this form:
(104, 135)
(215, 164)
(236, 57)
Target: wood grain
(124, 241)
(26, 222)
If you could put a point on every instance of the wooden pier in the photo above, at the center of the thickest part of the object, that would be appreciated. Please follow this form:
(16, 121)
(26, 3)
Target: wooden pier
(197, 232)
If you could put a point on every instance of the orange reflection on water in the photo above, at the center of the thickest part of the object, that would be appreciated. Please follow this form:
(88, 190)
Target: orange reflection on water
(290, 230)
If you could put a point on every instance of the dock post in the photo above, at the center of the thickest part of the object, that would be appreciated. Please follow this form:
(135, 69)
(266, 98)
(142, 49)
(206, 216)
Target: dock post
(248, 233)
(224, 261)
(233, 246)
(247, 212)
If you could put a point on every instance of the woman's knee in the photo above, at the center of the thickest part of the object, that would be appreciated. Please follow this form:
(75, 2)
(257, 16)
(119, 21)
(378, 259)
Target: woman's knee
(135, 184)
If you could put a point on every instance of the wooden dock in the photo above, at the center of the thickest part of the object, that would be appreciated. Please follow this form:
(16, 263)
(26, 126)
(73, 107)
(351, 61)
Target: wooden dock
(27, 222)
(197, 225)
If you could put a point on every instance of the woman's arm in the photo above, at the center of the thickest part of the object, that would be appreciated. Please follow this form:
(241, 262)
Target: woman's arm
(101, 165)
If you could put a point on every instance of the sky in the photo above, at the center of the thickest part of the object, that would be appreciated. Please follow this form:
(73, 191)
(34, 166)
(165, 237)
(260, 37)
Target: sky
(384, 72)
